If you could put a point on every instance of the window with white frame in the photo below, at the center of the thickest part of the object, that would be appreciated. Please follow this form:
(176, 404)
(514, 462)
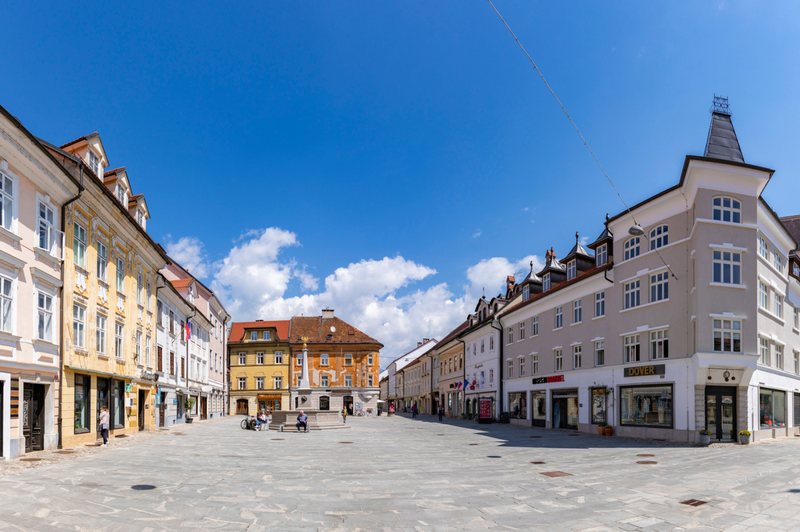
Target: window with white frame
(323, 359)
(727, 267)
(44, 317)
(632, 247)
(727, 210)
(491, 342)
(510, 337)
(659, 287)
(632, 295)
(79, 245)
(348, 359)
(796, 318)
(323, 380)
(535, 363)
(797, 362)
(577, 311)
(102, 262)
(600, 353)
(778, 305)
(139, 290)
(509, 369)
(253, 336)
(778, 356)
(599, 304)
(370, 381)
(242, 359)
(535, 326)
(559, 354)
(147, 351)
(601, 255)
(149, 295)
(79, 326)
(659, 344)
(763, 248)
(546, 282)
(6, 201)
(47, 228)
(474, 348)
(777, 261)
(119, 341)
(763, 295)
(259, 358)
(521, 333)
(728, 336)
(94, 164)
(279, 357)
(242, 383)
(266, 335)
(121, 275)
(764, 351)
(100, 334)
(259, 383)
(632, 348)
(559, 317)
(521, 366)
(138, 347)
(572, 269)
(577, 353)
(659, 237)
(348, 380)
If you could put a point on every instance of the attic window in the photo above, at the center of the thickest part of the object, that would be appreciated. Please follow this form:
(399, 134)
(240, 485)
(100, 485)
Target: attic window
(351, 332)
(94, 163)
(526, 293)
(328, 338)
(571, 269)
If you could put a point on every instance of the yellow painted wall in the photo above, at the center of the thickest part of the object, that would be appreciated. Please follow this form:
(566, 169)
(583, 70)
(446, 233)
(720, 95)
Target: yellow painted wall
(252, 369)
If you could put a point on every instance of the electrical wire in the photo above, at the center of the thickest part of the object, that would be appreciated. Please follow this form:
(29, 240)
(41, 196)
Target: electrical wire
(536, 68)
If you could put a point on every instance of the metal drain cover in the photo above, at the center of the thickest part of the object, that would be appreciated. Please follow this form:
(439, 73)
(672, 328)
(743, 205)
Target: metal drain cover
(538, 463)
(30, 459)
(143, 487)
(646, 462)
(645, 455)
(694, 502)
(555, 474)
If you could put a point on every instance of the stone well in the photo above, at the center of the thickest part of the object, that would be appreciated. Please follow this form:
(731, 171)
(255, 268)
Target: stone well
(317, 420)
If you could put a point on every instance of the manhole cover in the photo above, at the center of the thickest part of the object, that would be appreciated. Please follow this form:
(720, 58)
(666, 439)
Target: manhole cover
(277, 439)
(494, 457)
(538, 463)
(440, 434)
(65, 452)
(143, 487)
(30, 459)
(694, 502)
(473, 444)
(179, 434)
(121, 436)
(554, 474)
(646, 462)
(345, 442)
(645, 455)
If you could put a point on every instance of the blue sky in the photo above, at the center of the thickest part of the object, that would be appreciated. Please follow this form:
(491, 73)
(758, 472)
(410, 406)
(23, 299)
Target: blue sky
(405, 155)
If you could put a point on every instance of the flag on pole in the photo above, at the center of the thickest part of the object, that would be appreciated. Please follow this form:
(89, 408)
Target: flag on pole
(188, 329)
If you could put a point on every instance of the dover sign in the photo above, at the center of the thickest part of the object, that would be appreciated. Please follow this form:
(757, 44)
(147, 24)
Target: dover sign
(645, 371)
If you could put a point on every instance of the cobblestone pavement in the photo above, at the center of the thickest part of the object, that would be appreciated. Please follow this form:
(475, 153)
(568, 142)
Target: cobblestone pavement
(403, 474)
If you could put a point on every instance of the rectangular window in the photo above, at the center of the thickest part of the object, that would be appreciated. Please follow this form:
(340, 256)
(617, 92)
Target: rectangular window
(266, 335)
(797, 362)
(369, 359)
(102, 262)
(474, 347)
(149, 296)
(601, 256)
(728, 336)
(491, 376)
(47, 230)
(369, 380)
(79, 246)
(348, 359)
(659, 345)
(631, 346)
(546, 282)
(6, 200)
(183, 368)
(259, 358)
(118, 419)
(659, 287)
(324, 381)
(482, 343)
(253, 336)
(526, 293)
(559, 317)
(101, 334)
(44, 313)
(649, 406)
(260, 383)
(559, 359)
(78, 326)
(772, 408)
(242, 383)
(727, 210)
(778, 308)
(521, 333)
(82, 398)
(796, 318)
(632, 296)
(535, 363)
(599, 304)
(598, 405)
(510, 369)
(521, 366)
(160, 354)
(763, 248)
(279, 357)
(119, 341)
(120, 276)
(172, 363)
(600, 353)
(242, 359)
(138, 347)
(577, 353)
(727, 267)
(323, 359)
(763, 295)
(777, 261)
(572, 269)
(764, 351)
(778, 356)
(139, 290)
(348, 380)
(510, 337)
(632, 248)
(577, 311)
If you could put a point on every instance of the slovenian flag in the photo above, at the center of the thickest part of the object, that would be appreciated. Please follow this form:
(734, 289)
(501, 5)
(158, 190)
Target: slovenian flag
(188, 329)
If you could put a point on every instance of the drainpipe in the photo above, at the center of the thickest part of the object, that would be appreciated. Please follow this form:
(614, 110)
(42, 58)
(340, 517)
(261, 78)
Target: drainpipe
(187, 364)
(464, 376)
(61, 314)
(500, 364)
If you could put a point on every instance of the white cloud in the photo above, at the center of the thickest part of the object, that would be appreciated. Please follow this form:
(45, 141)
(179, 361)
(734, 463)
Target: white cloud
(375, 295)
(477, 233)
(188, 252)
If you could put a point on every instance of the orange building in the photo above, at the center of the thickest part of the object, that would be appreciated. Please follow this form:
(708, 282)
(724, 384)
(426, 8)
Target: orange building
(342, 361)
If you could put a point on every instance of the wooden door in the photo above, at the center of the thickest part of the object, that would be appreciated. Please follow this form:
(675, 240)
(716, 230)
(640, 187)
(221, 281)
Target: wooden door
(162, 410)
(142, 403)
(33, 417)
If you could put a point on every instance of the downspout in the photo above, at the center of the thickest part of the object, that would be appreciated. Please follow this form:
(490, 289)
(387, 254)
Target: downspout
(500, 363)
(464, 375)
(188, 389)
(61, 314)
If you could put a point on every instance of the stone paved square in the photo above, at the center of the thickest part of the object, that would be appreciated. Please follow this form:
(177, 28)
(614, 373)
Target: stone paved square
(402, 474)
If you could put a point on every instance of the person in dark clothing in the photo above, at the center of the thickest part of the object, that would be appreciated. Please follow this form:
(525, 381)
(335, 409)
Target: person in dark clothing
(302, 421)
(414, 411)
(441, 412)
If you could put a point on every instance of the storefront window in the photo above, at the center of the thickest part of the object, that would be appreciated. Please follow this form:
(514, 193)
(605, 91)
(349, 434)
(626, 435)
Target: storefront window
(649, 406)
(119, 405)
(539, 401)
(772, 408)
(518, 405)
(598, 405)
(82, 395)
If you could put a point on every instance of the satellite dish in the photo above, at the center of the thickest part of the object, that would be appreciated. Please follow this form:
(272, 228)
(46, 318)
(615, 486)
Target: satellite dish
(333, 329)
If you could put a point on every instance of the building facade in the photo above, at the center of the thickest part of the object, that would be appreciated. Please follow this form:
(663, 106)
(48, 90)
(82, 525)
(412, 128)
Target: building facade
(395, 375)
(259, 354)
(450, 354)
(342, 363)
(34, 187)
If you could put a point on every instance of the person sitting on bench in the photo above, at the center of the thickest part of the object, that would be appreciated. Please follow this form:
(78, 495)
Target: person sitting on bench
(302, 420)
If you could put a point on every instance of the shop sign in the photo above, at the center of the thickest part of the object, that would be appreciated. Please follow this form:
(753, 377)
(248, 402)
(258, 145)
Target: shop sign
(485, 408)
(644, 371)
(546, 380)
(149, 375)
(128, 387)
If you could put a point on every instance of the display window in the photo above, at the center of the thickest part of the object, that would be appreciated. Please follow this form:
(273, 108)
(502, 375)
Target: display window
(539, 412)
(771, 408)
(82, 395)
(518, 405)
(647, 406)
(599, 401)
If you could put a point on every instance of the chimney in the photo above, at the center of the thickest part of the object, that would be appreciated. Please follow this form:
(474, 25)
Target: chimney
(510, 282)
(419, 344)
(426, 340)
(327, 313)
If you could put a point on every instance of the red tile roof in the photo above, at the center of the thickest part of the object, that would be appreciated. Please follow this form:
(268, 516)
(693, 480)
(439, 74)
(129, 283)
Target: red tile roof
(239, 328)
(181, 283)
(559, 286)
(318, 331)
(78, 139)
(114, 171)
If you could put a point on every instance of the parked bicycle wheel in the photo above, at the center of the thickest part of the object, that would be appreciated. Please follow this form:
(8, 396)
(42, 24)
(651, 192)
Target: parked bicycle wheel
(244, 424)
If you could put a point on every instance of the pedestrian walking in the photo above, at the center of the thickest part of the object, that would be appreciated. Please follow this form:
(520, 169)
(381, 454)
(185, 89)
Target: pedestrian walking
(441, 412)
(104, 419)
(414, 411)
(344, 414)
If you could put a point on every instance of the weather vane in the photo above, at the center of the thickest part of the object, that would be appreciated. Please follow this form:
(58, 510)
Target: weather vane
(304, 339)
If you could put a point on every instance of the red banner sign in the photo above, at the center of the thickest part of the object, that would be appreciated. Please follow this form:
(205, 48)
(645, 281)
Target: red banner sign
(485, 408)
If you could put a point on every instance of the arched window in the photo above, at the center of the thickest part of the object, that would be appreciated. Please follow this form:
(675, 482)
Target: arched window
(727, 209)
(632, 248)
(659, 237)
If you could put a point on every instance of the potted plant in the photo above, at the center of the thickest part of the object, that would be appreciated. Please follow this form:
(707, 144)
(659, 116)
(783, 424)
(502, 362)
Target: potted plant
(744, 437)
(705, 437)
(189, 405)
(609, 430)
(601, 428)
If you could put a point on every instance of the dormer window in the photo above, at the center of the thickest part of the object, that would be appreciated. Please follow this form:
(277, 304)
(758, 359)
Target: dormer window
(122, 195)
(601, 256)
(546, 282)
(94, 163)
(572, 269)
(140, 217)
(526, 293)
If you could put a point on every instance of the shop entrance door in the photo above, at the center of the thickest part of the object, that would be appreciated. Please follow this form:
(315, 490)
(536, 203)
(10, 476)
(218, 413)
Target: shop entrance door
(721, 412)
(203, 408)
(162, 410)
(348, 404)
(241, 407)
(565, 410)
(142, 402)
(33, 417)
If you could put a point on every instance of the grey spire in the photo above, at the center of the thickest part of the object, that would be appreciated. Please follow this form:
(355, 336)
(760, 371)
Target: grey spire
(722, 142)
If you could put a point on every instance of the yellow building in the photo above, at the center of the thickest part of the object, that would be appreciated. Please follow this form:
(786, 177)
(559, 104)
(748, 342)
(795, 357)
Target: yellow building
(109, 300)
(258, 354)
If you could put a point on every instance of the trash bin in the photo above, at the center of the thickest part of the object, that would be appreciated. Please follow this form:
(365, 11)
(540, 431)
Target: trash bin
(503, 417)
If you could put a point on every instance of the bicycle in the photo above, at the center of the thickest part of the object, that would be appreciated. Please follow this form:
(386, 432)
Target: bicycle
(248, 423)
